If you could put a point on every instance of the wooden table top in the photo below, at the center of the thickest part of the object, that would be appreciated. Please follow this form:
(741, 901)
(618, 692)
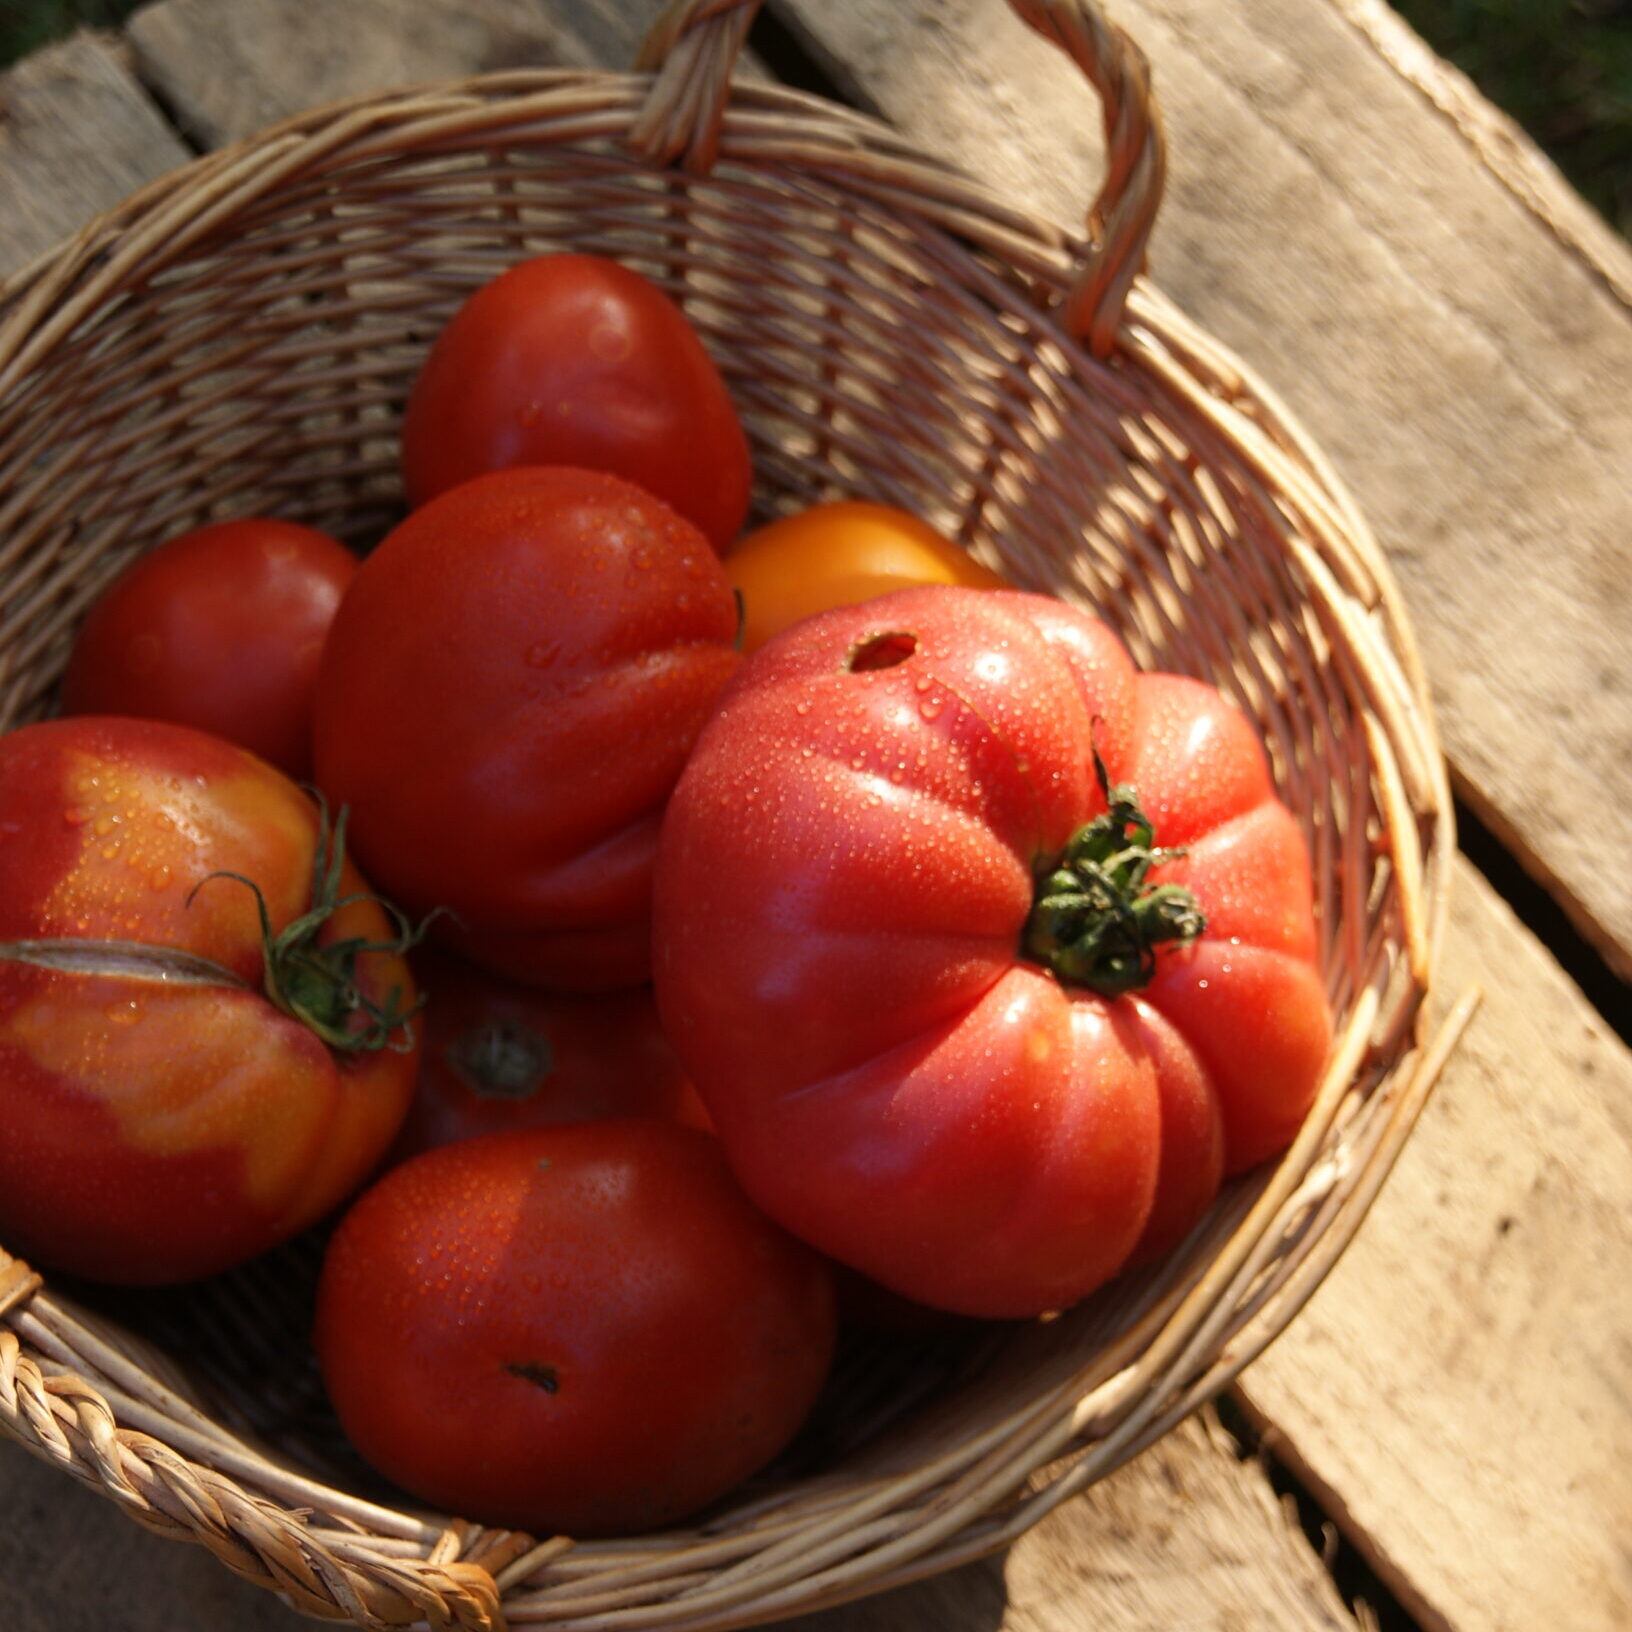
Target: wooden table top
(1454, 327)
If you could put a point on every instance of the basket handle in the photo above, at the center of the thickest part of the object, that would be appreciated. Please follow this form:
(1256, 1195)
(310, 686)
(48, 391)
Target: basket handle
(694, 43)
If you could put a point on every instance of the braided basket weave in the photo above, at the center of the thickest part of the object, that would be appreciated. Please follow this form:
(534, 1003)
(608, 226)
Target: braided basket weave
(239, 338)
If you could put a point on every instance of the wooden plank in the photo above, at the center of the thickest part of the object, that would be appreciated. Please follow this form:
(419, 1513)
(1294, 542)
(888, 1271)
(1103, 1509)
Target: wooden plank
(77, 135)
(228, 71)
(1462, 364)
(1186, 1536)
(1460, 1389)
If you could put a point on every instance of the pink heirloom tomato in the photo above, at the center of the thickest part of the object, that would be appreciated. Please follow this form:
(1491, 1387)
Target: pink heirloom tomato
(987, 953)
(184, 1085)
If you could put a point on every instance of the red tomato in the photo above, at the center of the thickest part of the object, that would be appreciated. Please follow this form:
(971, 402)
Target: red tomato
(220, 628)
(169, 1110)
(835, 555)
(508, 694)
(577, 360)
(497, 1055)
(892, 946)
(584, 1329)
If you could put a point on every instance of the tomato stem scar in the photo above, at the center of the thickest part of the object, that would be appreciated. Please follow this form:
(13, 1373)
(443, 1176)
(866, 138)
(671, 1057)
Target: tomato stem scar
(501, 1059)
(534, 1371)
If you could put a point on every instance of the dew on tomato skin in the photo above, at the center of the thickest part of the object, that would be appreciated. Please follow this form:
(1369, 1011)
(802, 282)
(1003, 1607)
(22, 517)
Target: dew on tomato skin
(76, 815)
(127, 1012)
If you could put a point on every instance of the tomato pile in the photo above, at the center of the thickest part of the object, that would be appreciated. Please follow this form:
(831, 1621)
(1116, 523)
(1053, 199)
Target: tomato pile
(685, 933)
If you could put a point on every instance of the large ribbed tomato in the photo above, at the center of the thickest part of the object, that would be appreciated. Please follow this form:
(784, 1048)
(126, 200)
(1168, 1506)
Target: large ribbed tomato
(955, 1020)
(183, 1085)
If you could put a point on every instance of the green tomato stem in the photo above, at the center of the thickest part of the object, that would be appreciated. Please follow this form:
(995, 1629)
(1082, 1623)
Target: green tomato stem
(316, 984)
(1097, 919)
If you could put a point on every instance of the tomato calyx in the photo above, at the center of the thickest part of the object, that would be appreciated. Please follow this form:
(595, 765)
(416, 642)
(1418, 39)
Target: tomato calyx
(316, 984)
(1097, 919)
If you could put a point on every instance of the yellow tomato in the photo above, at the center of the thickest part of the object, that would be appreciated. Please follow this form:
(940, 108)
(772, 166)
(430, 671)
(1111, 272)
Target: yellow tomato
(836, 554)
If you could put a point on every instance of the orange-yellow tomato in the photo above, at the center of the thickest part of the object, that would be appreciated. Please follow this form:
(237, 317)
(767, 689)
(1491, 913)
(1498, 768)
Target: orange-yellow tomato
(835, 555)
(167, 1114)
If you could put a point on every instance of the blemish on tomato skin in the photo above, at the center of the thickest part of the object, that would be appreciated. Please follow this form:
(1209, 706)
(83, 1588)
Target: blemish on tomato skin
(536, 1372)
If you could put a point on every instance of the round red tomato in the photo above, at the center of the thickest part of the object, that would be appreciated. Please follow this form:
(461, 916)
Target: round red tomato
(584, 1329)
(220, 628)
(835, 555)
(178, 1094)
(578, 360)
(497, 1055)
(508, 693)
(960, 1019)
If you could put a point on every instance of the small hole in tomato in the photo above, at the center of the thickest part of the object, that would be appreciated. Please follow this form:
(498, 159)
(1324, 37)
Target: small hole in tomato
(881, 651)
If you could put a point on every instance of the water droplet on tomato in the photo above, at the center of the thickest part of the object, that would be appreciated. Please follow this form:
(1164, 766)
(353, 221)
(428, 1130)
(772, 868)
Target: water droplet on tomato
(930, 708)
(542, 653)
(76, 815)
(124, 1013)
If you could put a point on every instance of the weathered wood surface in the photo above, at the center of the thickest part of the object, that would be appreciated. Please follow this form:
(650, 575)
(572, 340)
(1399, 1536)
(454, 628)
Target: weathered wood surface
(1460, 1389)
(1458, 1393)
(58, 166)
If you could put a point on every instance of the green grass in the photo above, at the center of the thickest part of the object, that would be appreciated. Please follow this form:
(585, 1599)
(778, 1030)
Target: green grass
(1561, 68)
(26, 25)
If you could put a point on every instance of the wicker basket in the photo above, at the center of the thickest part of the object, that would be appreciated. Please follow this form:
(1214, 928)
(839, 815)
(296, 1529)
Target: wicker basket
(239, 337)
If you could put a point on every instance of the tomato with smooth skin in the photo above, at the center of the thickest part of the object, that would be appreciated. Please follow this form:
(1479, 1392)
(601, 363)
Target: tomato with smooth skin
(219, 628)
(180, 1092)
(583, 1329)
(579, 360)
(987, 953)
(497, 1055)
(508, 694)
(836, 554)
